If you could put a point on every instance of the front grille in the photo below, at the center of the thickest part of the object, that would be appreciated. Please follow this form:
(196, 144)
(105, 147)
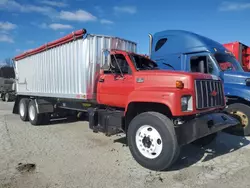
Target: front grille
(209, 93)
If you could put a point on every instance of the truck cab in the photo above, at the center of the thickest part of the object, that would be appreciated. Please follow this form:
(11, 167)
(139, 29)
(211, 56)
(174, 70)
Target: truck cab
(180, 50)
(241, 53)
(7, 83)
(132, 77)
(158, 107)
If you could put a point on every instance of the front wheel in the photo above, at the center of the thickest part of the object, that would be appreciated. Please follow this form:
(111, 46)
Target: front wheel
(242, 113)
(152, 141)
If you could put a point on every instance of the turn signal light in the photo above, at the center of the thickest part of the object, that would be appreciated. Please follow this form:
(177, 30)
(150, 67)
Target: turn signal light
(179, 84)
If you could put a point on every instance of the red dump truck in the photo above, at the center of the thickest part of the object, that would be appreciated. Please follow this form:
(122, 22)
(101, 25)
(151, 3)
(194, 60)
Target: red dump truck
(159, 111)
(241, 52)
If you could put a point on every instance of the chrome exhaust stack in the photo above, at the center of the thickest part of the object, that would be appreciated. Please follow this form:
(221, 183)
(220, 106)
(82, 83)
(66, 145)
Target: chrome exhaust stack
(150, 43)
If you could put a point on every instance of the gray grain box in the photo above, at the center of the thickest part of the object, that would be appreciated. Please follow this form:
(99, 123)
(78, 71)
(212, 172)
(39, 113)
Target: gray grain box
(69, 70)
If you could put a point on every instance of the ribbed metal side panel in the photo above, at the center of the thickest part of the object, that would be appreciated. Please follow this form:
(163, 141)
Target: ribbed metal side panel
(69, 70)
(204, 94)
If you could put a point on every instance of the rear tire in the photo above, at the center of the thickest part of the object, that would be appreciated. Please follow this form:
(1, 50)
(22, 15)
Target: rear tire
(34, 117)
(152, 141)
(242, 113)
(23, 109)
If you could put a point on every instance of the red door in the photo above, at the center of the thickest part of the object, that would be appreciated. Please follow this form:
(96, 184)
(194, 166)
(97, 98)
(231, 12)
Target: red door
(114, 88)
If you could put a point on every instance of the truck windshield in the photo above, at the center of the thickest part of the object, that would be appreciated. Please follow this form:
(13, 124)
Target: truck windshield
(227, 62)
(143, 63)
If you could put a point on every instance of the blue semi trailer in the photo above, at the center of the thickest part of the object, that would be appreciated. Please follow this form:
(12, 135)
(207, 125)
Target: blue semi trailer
(190, 52)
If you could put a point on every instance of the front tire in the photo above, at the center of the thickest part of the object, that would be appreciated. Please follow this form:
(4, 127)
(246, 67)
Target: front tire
(242, 113)
(152, 141)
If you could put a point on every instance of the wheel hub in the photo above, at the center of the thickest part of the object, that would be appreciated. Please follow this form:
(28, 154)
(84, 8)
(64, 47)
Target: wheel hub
(149, 141)
(146, 142)
(242, 118)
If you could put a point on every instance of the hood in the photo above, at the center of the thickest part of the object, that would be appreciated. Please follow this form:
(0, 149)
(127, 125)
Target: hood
(158, 72)
(235, 77)
(161, 78)
(168, 78)
(193, 75)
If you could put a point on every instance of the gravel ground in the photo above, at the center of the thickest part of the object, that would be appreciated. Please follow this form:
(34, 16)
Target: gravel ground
(68, 154)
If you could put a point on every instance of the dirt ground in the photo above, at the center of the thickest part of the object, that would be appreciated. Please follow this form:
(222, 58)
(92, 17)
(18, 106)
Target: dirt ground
(68, 154)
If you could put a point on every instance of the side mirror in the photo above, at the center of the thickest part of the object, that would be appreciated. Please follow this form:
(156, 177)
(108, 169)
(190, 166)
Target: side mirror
(106, 62)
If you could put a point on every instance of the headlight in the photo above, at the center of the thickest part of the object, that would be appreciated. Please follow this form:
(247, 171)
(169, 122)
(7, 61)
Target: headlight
(186, 103)
(248, 82)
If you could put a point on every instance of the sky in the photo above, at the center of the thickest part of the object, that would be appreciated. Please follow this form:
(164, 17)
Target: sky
(27, 24)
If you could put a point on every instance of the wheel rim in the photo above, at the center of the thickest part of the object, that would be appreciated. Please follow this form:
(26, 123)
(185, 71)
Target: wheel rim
(22, 109)
(148, 141)
(242, 117)
(32, 112)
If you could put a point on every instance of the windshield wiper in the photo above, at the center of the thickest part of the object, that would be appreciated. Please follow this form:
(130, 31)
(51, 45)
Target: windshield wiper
(168, 65)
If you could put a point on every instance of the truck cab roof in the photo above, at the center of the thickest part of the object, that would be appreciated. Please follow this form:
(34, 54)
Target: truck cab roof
(179, 41)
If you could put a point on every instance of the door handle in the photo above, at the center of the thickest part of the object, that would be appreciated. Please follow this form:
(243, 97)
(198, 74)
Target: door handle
(101, 80)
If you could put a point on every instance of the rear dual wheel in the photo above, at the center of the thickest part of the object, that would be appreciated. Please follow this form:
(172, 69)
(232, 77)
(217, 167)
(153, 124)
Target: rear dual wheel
(34, 117)
(23, 109)
(152, 141)
(28, 111)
